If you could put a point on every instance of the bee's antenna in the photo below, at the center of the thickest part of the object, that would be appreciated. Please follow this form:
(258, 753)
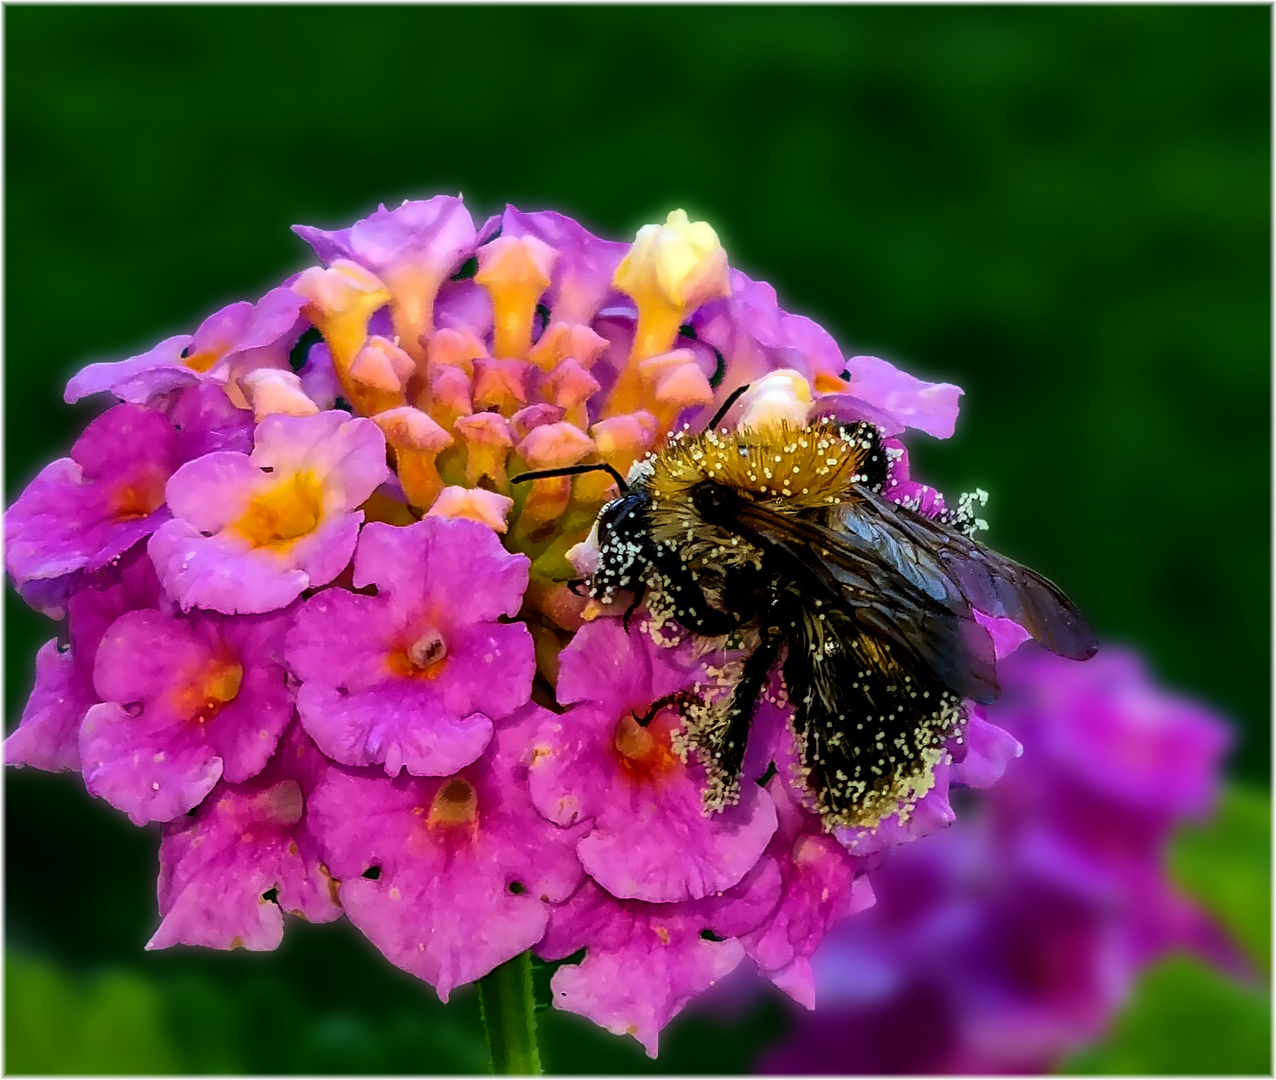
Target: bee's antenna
(573, 470)
(732, 398)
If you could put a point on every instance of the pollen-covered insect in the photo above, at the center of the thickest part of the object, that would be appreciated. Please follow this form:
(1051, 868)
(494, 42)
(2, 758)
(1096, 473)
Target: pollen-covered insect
(782, 535)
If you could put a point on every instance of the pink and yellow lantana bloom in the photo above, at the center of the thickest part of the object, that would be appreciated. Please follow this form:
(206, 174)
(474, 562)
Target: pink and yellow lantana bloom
(309, 609)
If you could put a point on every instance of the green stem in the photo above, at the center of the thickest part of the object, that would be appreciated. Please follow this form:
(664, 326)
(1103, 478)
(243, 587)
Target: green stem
(505, 995)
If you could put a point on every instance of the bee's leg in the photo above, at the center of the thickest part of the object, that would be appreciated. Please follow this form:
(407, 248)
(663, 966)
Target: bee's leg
(691, 609)
(678, 697)
(629, 611)
(744, 702)
(702, 619)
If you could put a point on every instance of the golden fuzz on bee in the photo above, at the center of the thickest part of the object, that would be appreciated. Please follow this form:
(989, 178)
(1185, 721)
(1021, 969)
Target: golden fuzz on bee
(795, 470)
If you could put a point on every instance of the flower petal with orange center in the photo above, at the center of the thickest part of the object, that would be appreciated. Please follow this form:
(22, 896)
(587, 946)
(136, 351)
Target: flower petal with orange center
(454, 804)
(202, 696)
(645, 753)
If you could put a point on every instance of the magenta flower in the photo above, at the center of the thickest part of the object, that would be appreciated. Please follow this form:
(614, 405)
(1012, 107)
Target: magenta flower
(413, 248)
(413, 677)
(821, 885)
(609, 762)
(928, 407)
(749, 327)
(248, 855)
(251, 532)
(48, 736)
(83, 511)
(644, 962)
(185, 701)
(581, 281)
(447, 876)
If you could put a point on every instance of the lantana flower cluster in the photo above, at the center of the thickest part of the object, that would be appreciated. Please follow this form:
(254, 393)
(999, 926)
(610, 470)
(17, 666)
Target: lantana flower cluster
(1013, 939)
(311, 628)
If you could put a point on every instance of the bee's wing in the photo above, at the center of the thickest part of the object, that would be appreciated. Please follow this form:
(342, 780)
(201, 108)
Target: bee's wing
(931, 551)
(915, 608)
(916, 582)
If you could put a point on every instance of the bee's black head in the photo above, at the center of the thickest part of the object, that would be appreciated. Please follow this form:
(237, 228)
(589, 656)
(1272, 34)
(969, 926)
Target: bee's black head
(626, 514)
(624, 543)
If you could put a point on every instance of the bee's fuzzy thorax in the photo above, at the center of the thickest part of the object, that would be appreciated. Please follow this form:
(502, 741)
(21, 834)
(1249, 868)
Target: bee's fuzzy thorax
(796, 469)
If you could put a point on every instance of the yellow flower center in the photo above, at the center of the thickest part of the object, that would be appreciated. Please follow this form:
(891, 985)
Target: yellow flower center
(138, 496)
(280, 516)
(201, 362)
(830, 384)
(422, 658)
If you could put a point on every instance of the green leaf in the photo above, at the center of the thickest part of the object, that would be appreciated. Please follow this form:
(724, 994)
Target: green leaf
(1227, 866)
(1186, 1018)
(57, 1024)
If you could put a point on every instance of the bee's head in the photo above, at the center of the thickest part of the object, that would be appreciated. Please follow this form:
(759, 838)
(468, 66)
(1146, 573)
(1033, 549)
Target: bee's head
(618, 547)
(624, 543)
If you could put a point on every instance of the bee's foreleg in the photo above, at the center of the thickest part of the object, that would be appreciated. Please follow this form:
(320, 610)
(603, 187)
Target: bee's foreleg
(691, 608)
(680, 698)
(702, 619)
(629, 611)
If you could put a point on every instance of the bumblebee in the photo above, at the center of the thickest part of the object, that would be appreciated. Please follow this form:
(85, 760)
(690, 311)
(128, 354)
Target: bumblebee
(783, 538)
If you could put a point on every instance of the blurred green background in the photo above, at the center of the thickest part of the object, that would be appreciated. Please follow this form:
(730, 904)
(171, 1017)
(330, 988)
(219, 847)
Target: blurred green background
(1065, 210)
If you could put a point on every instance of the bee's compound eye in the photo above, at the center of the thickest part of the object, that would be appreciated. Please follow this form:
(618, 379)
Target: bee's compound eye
(613, 513)
(708, 498)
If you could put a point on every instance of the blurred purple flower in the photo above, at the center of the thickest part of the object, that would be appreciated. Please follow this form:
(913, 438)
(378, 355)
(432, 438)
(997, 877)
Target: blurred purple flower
(1019, 933)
